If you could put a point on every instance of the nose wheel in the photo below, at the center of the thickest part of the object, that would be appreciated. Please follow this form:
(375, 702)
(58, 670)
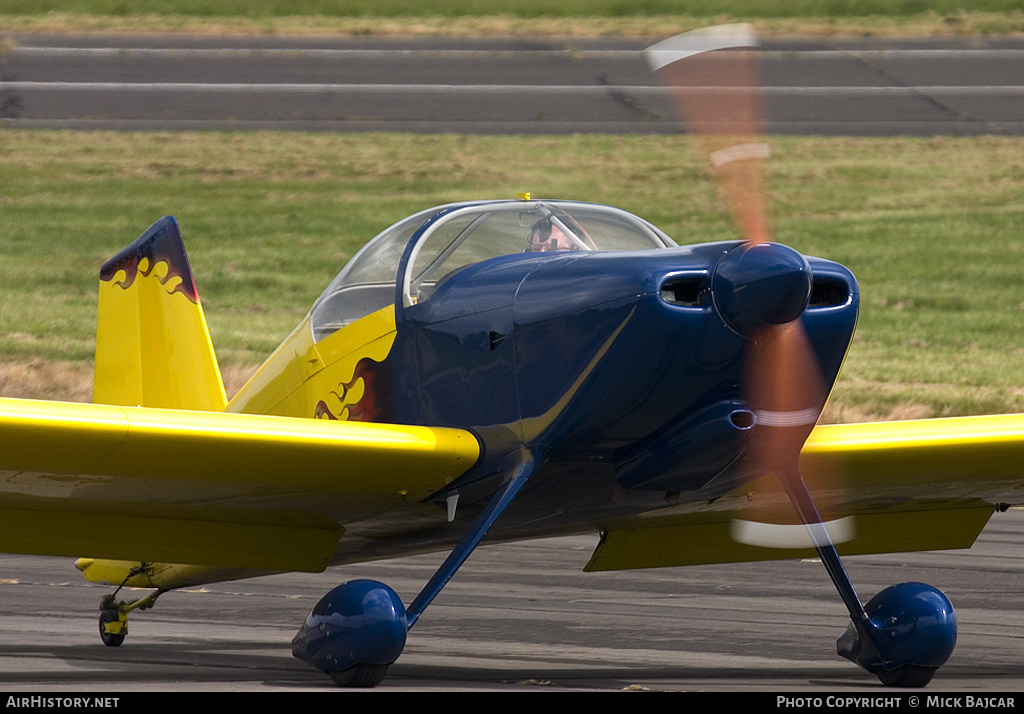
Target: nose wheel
(908, 676)
(360, 675)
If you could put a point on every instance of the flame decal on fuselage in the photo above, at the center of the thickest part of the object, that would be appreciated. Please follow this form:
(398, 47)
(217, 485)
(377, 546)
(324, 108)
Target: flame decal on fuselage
(366, 397)
(356, 383)
(322, 411)
(376, 401)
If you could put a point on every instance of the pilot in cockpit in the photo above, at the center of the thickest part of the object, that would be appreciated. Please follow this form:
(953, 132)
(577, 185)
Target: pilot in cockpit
(559, 232)
(546, 237)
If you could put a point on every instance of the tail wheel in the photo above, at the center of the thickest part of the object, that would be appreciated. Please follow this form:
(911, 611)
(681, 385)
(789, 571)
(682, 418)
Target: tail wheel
(110, 639)
(360, 675)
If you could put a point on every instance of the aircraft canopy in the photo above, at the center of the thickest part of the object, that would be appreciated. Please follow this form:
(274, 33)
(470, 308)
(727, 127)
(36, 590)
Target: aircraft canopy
(442, 240)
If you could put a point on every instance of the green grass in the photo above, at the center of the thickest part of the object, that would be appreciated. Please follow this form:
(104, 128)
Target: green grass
(524, 8)
(521, 8)
(269, 218)
(514, 17)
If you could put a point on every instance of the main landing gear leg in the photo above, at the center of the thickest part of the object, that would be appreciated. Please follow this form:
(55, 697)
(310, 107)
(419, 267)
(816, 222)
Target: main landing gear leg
(358, 629)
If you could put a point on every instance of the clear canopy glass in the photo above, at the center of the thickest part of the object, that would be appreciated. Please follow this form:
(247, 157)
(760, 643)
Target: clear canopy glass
(458, 235)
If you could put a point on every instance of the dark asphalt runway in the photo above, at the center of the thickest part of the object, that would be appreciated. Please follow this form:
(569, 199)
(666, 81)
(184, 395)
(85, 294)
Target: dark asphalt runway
(867, 87)
(524, 617)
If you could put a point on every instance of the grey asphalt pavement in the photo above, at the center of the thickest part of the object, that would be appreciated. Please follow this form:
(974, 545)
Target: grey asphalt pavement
(524, 617)
(866, 87)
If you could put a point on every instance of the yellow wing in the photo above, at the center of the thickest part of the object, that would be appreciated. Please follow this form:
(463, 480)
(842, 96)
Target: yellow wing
(913, 485)
(208, 488)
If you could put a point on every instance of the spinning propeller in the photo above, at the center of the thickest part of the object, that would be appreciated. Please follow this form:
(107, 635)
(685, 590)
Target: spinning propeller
(761, 290)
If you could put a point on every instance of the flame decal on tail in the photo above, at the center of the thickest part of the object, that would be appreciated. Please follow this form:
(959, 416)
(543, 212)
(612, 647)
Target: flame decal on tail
(160, 244)
(153, 348)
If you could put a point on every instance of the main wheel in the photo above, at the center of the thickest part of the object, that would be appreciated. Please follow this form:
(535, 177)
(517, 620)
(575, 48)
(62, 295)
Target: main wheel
(109, 639)
(909, 676)
(360, 675)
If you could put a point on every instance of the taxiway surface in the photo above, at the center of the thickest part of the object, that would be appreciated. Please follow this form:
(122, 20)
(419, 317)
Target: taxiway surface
(523, 617)
(853, 87)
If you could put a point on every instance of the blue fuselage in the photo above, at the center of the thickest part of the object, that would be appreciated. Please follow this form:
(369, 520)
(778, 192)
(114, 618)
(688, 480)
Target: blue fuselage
(616, 368)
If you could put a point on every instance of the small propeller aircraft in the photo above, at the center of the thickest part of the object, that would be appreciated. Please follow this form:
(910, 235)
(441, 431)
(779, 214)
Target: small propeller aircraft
(513, 369)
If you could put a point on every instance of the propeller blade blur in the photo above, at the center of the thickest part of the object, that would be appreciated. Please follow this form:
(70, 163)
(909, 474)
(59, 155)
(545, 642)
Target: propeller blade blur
(715, 86)
(713, 78)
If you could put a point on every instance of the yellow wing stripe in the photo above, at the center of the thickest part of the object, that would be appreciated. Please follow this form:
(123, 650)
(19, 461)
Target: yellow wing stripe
(912, 485)
(223, 482)
(955, 458)
(922, 433)
(60, 437)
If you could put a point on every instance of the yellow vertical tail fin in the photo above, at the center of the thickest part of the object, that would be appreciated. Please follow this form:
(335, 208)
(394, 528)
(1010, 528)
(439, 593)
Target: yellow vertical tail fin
(153, 348)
